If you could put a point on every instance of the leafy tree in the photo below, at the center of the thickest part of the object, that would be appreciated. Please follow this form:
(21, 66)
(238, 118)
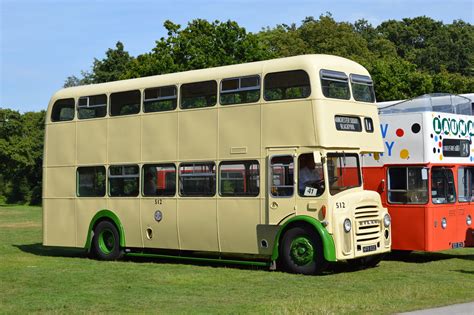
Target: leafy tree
(200, 45)
(395, 79)
(21, 151)
(113, 67)
(431, 45)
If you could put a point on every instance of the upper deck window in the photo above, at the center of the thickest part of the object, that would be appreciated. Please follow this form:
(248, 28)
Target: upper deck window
(160, 99)
(362, 88)
(92, 106)
(287, 85)
(63, 110)
(125, 103)
(199, 94)
(240, 90)
(335, 84)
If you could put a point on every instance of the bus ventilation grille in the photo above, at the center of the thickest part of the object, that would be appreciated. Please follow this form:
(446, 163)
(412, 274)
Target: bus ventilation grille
(368, 225)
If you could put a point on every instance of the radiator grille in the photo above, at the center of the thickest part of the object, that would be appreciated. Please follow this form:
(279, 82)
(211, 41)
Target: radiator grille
(368, 225)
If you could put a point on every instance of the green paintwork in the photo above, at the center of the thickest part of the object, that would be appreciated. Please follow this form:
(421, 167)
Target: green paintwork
(109, 215)
(301, 251)
(329, 249)
(106, 241)
(224, 261)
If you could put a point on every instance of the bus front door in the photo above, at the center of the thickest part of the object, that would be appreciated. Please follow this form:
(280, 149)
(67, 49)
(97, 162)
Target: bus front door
(281, 191)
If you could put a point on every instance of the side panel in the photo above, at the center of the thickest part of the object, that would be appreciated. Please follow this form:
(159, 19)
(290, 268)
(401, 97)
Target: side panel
(124, 139)
(59, 222)
(285, 125)
(408, 227)
(86, 208)
(92, 142)
(61, 144)
(197, 224)
(237, 221)
(128, 212)
(239, 131)
(165, 232)
(197, 134)
(160, 137)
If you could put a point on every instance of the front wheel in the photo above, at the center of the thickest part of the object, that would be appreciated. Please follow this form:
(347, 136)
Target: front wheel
(301, 251)
(106, 242)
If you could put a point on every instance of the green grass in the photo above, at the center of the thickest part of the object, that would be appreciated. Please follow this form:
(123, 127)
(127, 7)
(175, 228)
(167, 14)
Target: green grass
(38, 279)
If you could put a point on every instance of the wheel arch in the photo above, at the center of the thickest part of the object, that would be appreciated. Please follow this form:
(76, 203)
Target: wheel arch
(102, 215)
(309, 222)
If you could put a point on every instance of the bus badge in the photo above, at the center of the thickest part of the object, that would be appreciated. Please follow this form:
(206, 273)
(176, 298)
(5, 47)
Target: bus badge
(158, 216)
(369, 222)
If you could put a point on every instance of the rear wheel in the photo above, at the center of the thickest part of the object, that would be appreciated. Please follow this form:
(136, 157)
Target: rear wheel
(106, 242)
(301, 251)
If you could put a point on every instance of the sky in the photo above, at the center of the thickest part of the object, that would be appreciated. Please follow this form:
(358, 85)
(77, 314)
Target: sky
(42, 42)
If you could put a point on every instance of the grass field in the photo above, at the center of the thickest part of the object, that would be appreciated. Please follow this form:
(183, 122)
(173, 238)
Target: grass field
(38, 279)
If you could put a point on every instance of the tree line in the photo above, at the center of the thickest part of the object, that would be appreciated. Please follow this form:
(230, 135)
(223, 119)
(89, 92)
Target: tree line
(406, 58)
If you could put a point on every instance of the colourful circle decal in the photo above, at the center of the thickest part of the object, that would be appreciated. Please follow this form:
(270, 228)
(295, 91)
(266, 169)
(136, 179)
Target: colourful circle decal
(404, 154)
(400, 132)
(415, 128)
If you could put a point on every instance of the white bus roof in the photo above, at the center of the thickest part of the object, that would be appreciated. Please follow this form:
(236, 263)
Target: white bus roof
(436, 102)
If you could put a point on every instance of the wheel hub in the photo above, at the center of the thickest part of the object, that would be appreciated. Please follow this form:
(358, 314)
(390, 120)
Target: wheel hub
(301, 251)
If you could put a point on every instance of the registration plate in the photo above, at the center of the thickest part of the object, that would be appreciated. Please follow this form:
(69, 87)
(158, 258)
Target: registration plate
(457, 245)
(370, 248)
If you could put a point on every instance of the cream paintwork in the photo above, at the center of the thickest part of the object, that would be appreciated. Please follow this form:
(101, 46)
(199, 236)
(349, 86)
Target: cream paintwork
(232, 132)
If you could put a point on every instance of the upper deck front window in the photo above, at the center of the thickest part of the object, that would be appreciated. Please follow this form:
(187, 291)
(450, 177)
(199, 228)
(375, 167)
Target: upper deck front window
(343, 172)
(335, 84)
(362, 88)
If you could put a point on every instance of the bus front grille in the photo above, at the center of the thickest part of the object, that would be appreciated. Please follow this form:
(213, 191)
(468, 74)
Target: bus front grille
(367, 226)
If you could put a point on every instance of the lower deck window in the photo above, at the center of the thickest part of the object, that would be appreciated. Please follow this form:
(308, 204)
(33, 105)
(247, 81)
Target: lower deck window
(90, 181)
(159, 180)
(123, 181)
(408, 185)
(239, 178)
(197, 179)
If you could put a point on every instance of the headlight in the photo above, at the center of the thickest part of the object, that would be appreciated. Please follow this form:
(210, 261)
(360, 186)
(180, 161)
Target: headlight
(469, 219)
(387, 220)
(444, 223)
(347, 225)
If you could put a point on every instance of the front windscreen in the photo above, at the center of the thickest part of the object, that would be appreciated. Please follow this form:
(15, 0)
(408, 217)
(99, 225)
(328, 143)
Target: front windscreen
(442, 186)
(343, 172)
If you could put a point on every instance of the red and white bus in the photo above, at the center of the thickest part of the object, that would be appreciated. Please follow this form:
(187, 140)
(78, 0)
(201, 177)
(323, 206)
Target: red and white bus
(426, 174)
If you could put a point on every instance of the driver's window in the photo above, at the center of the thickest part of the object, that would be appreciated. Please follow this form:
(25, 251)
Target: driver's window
(310, 176)
(282, 176)
(442, 186)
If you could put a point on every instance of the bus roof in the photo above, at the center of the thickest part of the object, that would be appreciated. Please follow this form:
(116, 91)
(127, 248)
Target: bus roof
(436, 102)
(305, 62)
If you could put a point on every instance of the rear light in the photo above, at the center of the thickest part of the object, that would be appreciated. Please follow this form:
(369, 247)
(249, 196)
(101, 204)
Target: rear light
(323, 211)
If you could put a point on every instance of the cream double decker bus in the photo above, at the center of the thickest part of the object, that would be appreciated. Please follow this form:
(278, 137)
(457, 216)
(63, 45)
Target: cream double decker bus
(254, 163)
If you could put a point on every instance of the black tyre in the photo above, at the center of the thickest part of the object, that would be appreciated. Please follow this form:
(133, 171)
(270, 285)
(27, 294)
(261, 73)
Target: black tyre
(106, 242)
(366, 262)
(301, 251)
